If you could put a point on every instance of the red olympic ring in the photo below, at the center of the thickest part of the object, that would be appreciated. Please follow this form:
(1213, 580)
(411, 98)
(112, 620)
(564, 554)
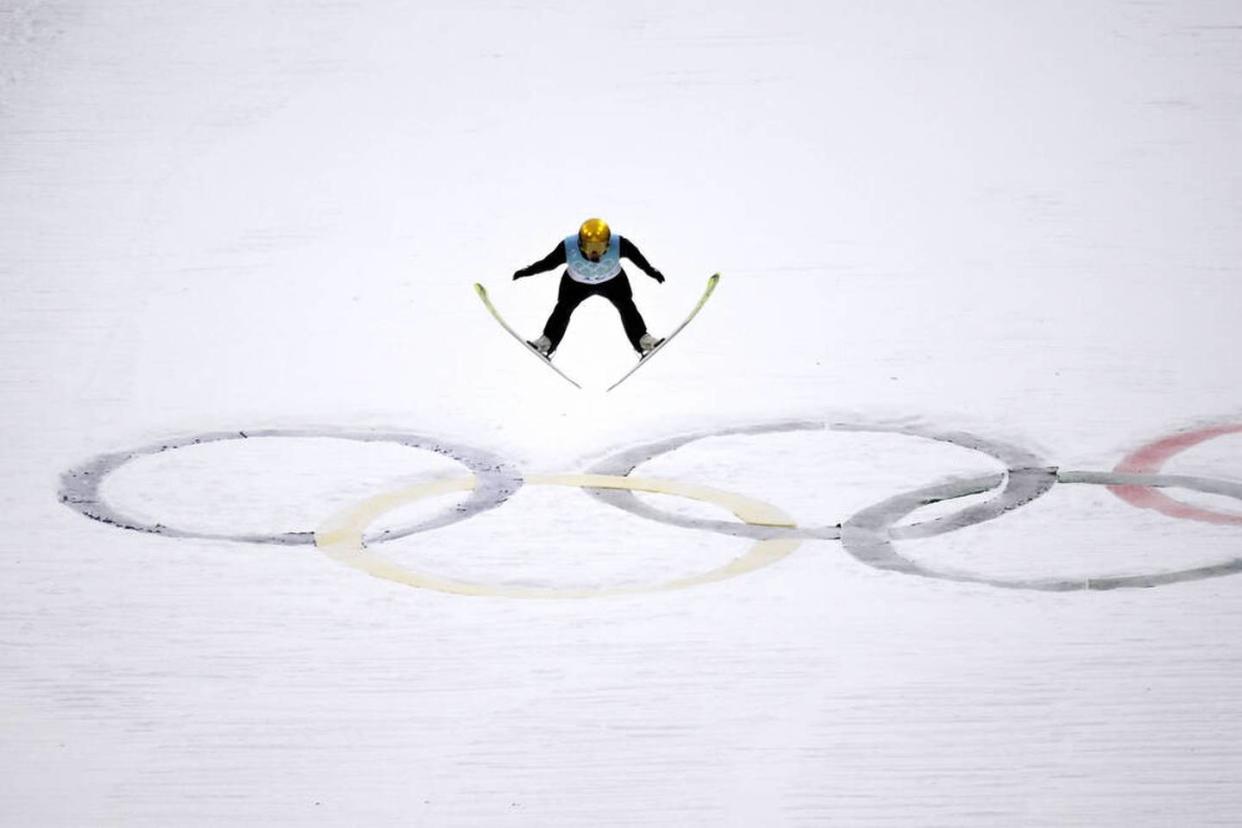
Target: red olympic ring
(1151, 458)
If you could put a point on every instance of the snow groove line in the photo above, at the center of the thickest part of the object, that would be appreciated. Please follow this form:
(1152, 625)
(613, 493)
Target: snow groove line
(341, 537)
(80, 485)
(1207, 485)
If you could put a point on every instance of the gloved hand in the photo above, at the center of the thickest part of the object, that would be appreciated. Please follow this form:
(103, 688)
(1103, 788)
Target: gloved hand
(518, 274)
(658, 276)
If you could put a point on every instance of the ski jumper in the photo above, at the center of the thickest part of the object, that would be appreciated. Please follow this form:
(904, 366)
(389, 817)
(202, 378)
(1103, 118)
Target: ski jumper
(584, 278)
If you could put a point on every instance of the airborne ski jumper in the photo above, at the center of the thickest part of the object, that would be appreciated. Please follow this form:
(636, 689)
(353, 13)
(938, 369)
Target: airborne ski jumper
(592, 261)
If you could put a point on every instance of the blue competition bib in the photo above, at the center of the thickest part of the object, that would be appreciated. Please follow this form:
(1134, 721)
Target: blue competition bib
(582, 269)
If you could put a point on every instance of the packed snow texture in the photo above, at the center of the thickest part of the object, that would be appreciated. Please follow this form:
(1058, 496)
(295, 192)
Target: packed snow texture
(1012, 220)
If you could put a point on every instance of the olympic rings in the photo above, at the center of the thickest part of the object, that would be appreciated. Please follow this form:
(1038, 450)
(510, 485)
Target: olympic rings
(340, 538)
(79, 486)
(866, 537)
(1018, 489)
(869, 536)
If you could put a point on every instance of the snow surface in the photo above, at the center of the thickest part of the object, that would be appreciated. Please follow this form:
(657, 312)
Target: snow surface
(1014, 220)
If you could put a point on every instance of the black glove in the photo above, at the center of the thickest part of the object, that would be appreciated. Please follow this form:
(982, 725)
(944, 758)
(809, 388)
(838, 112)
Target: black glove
(518, 274)
(658, 276)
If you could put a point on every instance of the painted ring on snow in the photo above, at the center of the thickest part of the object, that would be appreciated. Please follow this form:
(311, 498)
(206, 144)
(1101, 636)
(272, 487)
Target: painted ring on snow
(1150, 459)
(1027, 478)
(341, 536)
(80, 486)
(867, 537)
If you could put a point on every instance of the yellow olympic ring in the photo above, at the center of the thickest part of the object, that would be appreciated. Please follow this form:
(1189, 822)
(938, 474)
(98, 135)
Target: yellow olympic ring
(340, 537)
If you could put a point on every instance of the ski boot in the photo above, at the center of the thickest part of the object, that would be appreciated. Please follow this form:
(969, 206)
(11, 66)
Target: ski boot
(543, 345)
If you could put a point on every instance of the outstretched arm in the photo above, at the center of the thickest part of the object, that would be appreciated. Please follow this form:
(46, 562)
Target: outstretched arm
(554, 259)
(631, 252)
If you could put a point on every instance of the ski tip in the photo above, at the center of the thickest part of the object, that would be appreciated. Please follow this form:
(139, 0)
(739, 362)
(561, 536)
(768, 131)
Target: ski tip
(479, 289)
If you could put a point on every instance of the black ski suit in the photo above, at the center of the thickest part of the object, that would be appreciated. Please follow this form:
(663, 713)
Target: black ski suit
(571, 293)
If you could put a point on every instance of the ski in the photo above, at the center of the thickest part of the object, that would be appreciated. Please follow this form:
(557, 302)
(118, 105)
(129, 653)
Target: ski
(482, 291)
(711, 286)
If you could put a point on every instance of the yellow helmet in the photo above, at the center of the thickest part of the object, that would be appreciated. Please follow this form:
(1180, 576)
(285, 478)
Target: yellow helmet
(594, 236)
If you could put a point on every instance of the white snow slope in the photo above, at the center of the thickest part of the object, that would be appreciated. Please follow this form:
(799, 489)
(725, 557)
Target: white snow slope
(1014, 221)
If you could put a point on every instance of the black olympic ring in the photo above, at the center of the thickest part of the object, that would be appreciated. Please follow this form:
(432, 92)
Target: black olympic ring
(1028, 478)
(79, 486)
(868, 536)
